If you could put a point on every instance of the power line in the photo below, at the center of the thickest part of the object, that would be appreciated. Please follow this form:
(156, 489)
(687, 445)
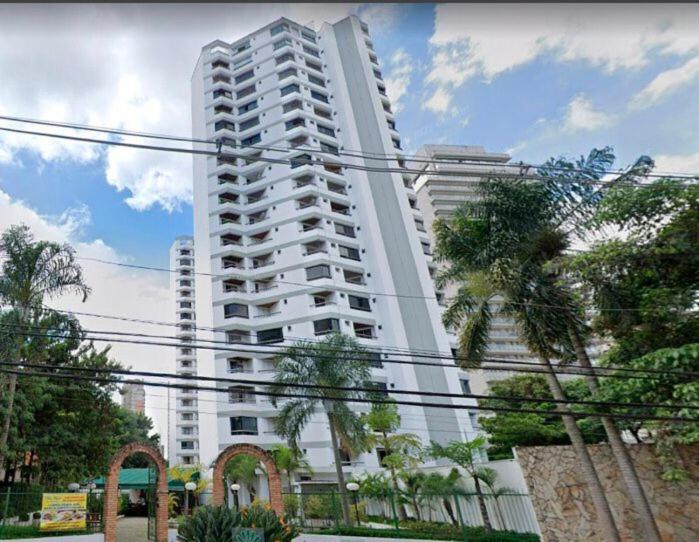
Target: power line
(296, 161)
(368, 390)
(581, 371)
(416, 158)
(572, 413)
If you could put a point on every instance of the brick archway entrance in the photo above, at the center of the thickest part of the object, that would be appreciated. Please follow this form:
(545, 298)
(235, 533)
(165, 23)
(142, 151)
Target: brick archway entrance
(111, 491)
(274, 480)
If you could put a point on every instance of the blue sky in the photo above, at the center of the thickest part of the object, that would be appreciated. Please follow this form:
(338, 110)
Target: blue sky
(534, 81)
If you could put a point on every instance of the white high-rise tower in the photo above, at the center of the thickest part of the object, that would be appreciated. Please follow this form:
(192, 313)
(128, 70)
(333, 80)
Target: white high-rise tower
(301, 236)
(183, 445)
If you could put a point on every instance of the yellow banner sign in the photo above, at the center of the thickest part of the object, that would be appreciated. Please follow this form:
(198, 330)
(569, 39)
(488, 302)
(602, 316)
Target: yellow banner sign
(63, 511)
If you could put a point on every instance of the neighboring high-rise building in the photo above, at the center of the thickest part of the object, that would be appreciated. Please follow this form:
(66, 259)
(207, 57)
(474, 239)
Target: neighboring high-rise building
(300, 236)
(450, 175)
(133, 397)
(183, 441)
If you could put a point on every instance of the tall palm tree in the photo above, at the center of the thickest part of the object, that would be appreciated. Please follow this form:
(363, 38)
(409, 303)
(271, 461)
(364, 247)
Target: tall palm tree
(413, 481)
(489, 477)
(289, 460)
(336, 361)
(443, 488)
(528, 230)
(402, 450)
(32, 272)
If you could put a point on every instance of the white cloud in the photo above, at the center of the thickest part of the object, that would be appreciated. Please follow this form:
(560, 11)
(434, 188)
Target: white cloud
(666, 82)
(581, 115)
(677, 163)
(490, 39)
(115, 290)
(398, 77)
(125, 66)
(439, 102)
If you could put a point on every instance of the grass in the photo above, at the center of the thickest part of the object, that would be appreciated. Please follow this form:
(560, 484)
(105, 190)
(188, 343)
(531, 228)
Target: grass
(15, 532)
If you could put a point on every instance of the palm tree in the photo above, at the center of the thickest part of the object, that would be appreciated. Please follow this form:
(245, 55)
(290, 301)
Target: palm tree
(336, 361)
(443, 488)
(504, 251)
(376, 486)
(242, 469)
(32, 272)
(465, 454)
(402, 450)
(489, 477)
(413, 482)
(289, 459)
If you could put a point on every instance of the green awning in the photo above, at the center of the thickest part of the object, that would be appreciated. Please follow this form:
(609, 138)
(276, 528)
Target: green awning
(138, 479)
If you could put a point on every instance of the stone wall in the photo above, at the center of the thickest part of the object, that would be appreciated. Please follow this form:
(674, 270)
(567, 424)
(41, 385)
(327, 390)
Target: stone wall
(565, 512)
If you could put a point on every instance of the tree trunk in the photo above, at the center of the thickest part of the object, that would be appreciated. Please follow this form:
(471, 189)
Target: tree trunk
(621, 454)
(338, 469)
(450, 510)
(481, 504)
(605, 520)
(12, 386)
(416, 506)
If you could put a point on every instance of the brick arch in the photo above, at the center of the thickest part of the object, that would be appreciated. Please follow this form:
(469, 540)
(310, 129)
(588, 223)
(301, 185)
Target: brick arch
(274, 480)
(111, 491)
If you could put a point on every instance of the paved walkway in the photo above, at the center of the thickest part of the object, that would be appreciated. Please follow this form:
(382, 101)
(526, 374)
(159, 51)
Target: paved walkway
(132, 530)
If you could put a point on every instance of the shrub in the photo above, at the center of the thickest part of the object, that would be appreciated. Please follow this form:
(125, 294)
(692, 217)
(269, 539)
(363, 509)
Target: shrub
(321, 506)
(473, 534)
(215, 523)
(292, 505)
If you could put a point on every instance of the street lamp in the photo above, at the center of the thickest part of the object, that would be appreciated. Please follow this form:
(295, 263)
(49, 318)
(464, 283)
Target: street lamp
(73, 487)
(353, 487)
(235, 488)
(189, 486)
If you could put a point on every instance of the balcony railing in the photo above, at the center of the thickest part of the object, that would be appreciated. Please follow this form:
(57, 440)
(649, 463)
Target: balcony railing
(259, 265)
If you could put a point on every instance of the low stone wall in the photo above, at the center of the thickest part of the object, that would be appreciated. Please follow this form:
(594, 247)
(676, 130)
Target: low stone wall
(564, 509)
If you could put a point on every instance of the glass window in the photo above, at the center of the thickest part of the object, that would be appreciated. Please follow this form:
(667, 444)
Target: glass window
(242, 62)
(316, 80)
(283, 27)
(287, 73)
(247, 107)
(307, 34)
(332, 149)
(325, 130)
(224, 125)
(326, 325)
(249, 123)
(270, 336)
(222, 92)
(245, 92)
(231, 310)
(349, 253)
(187, 445)
(294, 123)
(251, 140)
(244, 76)
(300, 160)
(282, 43)
(243, 425)
(319, 96)
(359, 303)
(288, 89)
(465, 386)
(343, 229)
(311, 51)
(317, 272)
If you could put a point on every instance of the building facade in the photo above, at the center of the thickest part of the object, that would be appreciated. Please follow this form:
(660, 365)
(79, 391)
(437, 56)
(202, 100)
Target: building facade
(133, 398)
(183, 404)
(449, 177)
(300, 233)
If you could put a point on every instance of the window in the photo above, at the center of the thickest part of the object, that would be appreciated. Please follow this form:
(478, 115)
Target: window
(359, 303)
(322, 112)
(219, 64)
(294, 123)
(185, 283)
(380, 387)
(473, 418)
(186, 351)
(282, 43)
(249, 123)
(185, 304)
(287, 73)
(243, 425)
(375, 360)
(286, 57)
(241, 394)
(420, 225)
(396, 143)
(283, 27)
(332, 149)
(314, 66)
(224, 125)
(187, 402)
(219, 92)
(426, 248)
(316, 80)
(232, 310)
(245, 92)
(288, 89)
(381, 455)
(349, 253)
(237, 365)
(391, 124)
(187, 416)
(187, 445)
(318, 272)
(238, 336)
(242, 62)
(251, 140)
(311, 51)
(247, 107)
(185, 316)
(327, 325)
(270, 336)
(318, 96)
(243, 47)
(244, 76)
(465, 386)
(343, 229)
(308, 35)
(325, 130)
(300, 160)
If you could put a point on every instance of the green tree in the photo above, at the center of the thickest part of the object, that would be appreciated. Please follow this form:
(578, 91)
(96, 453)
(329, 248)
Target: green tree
(413, 482)
(509, 429)
(242, 469)
(403, 451)
(336, 361)
(32, 272)
(489, 477)
(442, 488)
(289, 460)
(509, 246)
(465, 455)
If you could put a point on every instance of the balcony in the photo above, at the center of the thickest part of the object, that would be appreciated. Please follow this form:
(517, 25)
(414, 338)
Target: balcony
(227, 197)
(305, 203)
(317, 247)
(229, 218)
(254, 197)
(256, 218)
(353, 277)
(341, 209)
(264, 285)
(259, 263)
(233, 285)
(364, 331)
(231, 239)
(266, 311)
(232, 262)
(260, 238)
(311, 224)
(306, 180)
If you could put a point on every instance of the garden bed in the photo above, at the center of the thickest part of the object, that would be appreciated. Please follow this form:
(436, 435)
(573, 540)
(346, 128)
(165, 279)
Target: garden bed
(32, 532)
(435, 532)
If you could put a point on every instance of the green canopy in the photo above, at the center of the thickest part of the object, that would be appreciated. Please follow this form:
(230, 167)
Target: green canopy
(138, 479)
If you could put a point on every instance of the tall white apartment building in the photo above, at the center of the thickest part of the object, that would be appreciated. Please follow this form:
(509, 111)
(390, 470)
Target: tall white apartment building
(449, 177)
(183, 441)
(302, 239)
